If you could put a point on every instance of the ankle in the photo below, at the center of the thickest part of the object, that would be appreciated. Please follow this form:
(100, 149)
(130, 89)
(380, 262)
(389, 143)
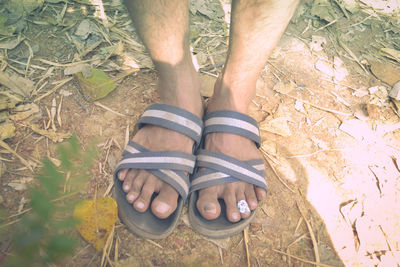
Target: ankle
(180, 86)
(233, 95)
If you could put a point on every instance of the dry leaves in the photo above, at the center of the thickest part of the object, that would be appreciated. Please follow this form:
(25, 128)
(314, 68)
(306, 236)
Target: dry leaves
(18, 85)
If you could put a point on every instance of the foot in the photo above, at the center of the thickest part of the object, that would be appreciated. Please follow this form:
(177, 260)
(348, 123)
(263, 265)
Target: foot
(240, 148)
(140, 185)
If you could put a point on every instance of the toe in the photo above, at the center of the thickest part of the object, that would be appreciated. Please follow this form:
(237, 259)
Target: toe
(232, 212)
(261, 193)
(207, 204)
(241, 196)
(251, 197)
(142, 202)
(165, 203)
(128, 180)
(122, 174)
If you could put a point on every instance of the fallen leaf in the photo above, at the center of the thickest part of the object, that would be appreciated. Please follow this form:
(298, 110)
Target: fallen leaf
(6, 102)
(19, 85)
(385, 72)
(12, 43)
(21, 184)
(277, 126)
(84, 68)
(22, 112)
(7, 130)
(96, 220)
(391, 53)
(53, 136)
(323, 10)
(23, 7)
(85, 28)
(97, 86)
(7, 30)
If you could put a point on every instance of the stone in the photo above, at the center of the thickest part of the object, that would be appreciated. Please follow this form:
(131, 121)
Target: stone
(395, 91)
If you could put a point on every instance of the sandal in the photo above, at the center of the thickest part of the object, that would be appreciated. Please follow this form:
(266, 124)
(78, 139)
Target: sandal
(172, 167)
(218, 168)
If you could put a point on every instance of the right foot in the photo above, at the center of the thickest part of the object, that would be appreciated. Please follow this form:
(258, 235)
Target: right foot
(140, 185)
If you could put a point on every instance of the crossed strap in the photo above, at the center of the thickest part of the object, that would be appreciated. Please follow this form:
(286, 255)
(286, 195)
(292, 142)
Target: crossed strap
(171, 167)
(218, 168)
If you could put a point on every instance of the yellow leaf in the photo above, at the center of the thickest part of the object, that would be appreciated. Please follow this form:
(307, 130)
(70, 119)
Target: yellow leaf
(96, 219)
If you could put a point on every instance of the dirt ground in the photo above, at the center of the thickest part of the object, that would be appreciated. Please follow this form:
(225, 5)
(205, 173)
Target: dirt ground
(329, 130)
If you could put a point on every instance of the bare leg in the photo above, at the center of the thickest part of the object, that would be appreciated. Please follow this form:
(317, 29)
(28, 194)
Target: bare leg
(163, 25)
(256, 27)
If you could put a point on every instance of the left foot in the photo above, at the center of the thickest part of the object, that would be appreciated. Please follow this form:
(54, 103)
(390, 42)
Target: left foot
(240, 148)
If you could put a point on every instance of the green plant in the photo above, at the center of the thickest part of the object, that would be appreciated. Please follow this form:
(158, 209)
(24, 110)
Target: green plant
(42, 236)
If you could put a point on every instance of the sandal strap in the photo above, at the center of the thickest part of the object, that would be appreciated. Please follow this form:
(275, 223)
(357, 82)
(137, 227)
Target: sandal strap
(170, 166)
(219, 168)
(173, 118)
(229, 121)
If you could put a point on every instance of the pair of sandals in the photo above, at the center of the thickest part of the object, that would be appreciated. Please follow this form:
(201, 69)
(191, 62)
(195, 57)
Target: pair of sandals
(188, 173)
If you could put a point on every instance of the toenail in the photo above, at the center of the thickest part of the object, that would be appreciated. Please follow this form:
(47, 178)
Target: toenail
(235, 216)
(139, 205)
(126, 187)
(120, 176)
(131, 197)
(162, 207)
(210, 208)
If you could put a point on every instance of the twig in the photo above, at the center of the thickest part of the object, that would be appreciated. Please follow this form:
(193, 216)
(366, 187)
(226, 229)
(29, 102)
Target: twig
(59, 112)
(9, 149)
(24, 64)
(54, 200)
(54, 89)
(355, 24)
(116, 249)
(126, 135)
(66, 64)
(109, 109)
(351, 54)
(327, 25)
(301, 259)
(277, 175)
(221, 255)
(316, 152)
(246, 241)
(314, 241)
(28, 62)
(154, 243)
(107, 246)
(319, 107)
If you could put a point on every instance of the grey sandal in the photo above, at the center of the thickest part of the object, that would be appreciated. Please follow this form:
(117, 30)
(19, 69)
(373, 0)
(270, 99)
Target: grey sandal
(172, 167)
(218, 168)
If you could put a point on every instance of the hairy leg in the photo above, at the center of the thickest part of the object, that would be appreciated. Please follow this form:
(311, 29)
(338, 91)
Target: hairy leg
(256, 27)
(163, 26)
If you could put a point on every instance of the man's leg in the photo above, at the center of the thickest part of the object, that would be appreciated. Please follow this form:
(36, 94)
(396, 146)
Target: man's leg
(256, 27)
(163, 25)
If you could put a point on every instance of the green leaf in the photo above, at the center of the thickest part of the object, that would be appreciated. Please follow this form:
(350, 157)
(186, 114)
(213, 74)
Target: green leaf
(51, 178)
(41, 204)
(97, 86)
(23, 7)
(6, 30)
(60, 246)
